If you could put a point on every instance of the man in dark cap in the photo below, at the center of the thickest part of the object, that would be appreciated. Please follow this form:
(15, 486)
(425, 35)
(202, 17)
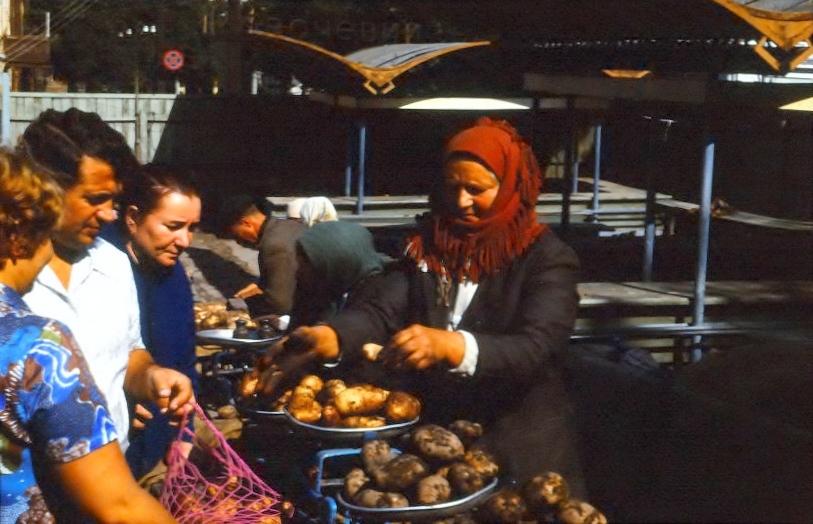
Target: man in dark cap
(242, 218)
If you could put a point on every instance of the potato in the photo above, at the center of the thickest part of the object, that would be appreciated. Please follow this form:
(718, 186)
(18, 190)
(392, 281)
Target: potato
(432, 490)
(331, 417)
(400, 473)
(232, 484)
(360, 400)
(227, 411)
(354, 482)
(504, 506)
(545, 491)
(464, 479)
(370, 498)
(395, 500)
(576, 511)
(248, 384)
(363, 422)
(302, 391)
(402, 407)
(371, 351)
(228, 507)
(375, 453)
(483, 463)
(313, 383)
(260, 504)
(305, 409)
(436, 443)
(468, 432)
(332, 388)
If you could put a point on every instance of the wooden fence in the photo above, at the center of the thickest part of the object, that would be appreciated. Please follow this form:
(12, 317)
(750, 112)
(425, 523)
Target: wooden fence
(141, 119)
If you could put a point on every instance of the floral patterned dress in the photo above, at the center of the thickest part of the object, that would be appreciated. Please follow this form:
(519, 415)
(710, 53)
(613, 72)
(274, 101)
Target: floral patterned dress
(50, 412)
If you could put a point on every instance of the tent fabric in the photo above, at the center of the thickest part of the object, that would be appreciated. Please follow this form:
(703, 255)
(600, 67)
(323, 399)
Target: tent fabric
(787, 23)
(380, 65)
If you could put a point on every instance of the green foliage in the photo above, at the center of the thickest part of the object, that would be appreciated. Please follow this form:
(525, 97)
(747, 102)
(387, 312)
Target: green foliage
(106, 46)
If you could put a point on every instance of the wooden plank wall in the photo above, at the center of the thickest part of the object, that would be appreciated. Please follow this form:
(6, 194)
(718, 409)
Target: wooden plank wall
(120, 110)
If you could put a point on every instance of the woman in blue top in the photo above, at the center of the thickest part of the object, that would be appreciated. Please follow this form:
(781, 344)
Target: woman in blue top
(160, 210)
(56, 436)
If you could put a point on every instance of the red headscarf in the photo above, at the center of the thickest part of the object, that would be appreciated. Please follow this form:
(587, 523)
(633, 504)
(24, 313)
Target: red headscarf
(456, 249)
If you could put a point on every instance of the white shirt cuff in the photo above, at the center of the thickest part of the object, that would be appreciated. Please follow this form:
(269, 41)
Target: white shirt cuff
(470, 353)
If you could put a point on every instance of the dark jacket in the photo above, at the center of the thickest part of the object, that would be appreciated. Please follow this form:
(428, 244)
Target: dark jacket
(277, 261)
(521, 317)
(168, 331)
(338, 258)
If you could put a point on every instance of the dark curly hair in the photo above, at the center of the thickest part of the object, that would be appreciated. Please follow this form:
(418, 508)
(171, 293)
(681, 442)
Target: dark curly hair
(30, 205)
(57, 140)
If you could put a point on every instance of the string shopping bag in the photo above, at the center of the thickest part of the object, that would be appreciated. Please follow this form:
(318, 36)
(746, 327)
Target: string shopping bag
(214, 485)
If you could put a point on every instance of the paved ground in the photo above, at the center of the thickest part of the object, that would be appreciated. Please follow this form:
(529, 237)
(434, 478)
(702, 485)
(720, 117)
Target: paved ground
(218, 267)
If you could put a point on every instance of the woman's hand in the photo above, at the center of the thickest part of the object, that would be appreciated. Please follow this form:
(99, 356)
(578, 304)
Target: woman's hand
(290, 354)
(171, 391)
(422, 347)
(141, 416)
(249, 291)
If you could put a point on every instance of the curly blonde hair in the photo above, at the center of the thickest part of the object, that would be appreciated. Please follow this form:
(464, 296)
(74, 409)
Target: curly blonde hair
(30, 206)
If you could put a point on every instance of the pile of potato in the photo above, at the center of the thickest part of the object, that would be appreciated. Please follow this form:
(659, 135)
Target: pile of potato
(224, 503)
(437, 468)
(214, 315)
(334, 404)
(545, 498)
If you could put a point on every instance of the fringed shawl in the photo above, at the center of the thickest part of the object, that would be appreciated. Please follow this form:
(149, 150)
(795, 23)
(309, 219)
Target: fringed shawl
(455, 249)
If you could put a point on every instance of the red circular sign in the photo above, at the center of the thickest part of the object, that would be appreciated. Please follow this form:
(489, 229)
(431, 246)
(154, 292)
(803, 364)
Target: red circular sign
(172, 59)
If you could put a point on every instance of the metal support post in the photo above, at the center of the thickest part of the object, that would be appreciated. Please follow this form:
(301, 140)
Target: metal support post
(652, 164)
(361, 167)
(596, 170)
(703, 233)
(348, 167)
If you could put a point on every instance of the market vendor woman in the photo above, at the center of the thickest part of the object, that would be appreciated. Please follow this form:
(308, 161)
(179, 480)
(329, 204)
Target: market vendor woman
(478, 314)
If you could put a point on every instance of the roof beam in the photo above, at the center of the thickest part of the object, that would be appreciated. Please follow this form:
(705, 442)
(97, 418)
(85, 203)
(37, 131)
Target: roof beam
(691, 91)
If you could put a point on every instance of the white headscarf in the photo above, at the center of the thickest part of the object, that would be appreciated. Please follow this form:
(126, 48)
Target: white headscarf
(317, 209)
(295, 207)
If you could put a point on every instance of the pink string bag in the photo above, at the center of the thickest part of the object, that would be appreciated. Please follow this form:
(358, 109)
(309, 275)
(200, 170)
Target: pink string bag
(220, 488)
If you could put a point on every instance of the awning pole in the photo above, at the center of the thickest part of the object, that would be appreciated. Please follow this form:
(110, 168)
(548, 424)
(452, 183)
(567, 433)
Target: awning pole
(596, 170)
(652, 164)
(703, 233)
(348, 167)
(361, 166)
